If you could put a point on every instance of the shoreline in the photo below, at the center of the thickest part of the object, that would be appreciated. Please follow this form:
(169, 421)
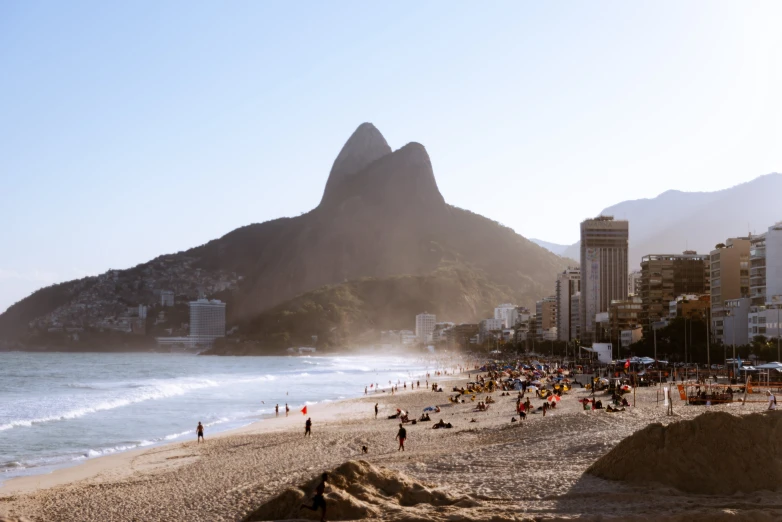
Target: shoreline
(93, 467)
(526, 470)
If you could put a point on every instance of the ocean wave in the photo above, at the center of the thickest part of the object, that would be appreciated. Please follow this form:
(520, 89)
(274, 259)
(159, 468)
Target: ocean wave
(160, 390)
(93, 453)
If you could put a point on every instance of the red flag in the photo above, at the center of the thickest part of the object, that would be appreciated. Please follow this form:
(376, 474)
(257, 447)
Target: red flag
(304, 410)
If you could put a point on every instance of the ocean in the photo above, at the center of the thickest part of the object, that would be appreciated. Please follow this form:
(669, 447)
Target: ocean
(58, 409)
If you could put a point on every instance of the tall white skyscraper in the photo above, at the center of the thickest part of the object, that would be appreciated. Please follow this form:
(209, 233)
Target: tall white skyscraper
(207, 321)
(424, 327)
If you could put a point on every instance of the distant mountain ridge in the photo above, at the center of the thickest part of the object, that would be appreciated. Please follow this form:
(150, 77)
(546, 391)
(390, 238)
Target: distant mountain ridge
(381, 217)
(676, 221)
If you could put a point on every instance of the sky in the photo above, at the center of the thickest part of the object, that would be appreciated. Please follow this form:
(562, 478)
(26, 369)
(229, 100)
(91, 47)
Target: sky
(131, 130)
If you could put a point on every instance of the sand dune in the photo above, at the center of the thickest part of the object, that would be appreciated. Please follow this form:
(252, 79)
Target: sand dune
(714, 454)
(358, 490)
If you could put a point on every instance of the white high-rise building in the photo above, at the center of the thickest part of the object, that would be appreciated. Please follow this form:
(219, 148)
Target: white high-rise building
(207, 321)
(507, 313)
(765, 314)
(568, 285)
(424, 327)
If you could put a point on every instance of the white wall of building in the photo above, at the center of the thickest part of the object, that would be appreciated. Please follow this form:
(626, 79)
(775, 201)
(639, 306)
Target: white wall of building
(424, 326)
(774, 264)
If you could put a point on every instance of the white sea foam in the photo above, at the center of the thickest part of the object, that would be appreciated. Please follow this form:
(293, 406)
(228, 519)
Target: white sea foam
(147, 392)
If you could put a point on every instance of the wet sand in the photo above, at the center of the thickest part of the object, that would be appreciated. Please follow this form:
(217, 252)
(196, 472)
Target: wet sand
(515, 471)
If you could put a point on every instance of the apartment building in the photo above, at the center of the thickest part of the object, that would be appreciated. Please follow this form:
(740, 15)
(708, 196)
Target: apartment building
(765, 285)
(568, 285)
(664, 277)
(546, 316)
(730, 282)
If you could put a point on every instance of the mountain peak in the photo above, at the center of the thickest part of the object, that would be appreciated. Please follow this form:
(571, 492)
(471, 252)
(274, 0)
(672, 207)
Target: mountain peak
(365, 146)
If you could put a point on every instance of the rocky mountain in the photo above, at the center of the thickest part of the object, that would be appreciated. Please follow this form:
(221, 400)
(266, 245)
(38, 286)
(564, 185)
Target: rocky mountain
(381, 216)
(551, 247)
(676, 221)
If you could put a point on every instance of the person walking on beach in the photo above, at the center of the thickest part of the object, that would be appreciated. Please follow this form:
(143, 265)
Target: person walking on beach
(286, 409)
(200, 432)
(772, 401)
(308, 427)
(401, 435)
(319, 500)
(277, 410)
(376, 410)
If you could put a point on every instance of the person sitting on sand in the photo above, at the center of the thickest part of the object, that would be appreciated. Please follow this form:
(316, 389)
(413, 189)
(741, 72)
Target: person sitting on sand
(200, 432)
(439, 425)
(624, 402)
(319, 500)
(437, 409)
(598, 405)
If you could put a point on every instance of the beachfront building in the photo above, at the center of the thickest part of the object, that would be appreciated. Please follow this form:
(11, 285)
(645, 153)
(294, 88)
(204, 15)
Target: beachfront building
(462, 334)
(488, 328)
(634, 283)
(568, 285)
(690, 307)
(630, 336)
(440, 333)
(624, 314)
(729, 265)
(765, 281)
(734, 317)
(207, 321)
(604, 269)
(408, 337)
(507, 313)
(546, 316)
(575, 316)
(424, 327)
(664, 277)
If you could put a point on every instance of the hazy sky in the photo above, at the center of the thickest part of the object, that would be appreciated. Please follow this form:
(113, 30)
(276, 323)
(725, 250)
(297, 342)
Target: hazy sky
(129, 130)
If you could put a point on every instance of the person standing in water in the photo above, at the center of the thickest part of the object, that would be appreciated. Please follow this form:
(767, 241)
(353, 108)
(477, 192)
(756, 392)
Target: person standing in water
(308, 427)
(319, 500)
(200, 432)
(401, 435)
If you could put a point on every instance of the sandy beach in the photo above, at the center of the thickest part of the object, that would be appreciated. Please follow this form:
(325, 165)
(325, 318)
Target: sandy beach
(500, 470)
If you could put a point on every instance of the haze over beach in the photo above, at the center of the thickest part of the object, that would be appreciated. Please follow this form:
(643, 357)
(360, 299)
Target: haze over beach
(390, 261)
